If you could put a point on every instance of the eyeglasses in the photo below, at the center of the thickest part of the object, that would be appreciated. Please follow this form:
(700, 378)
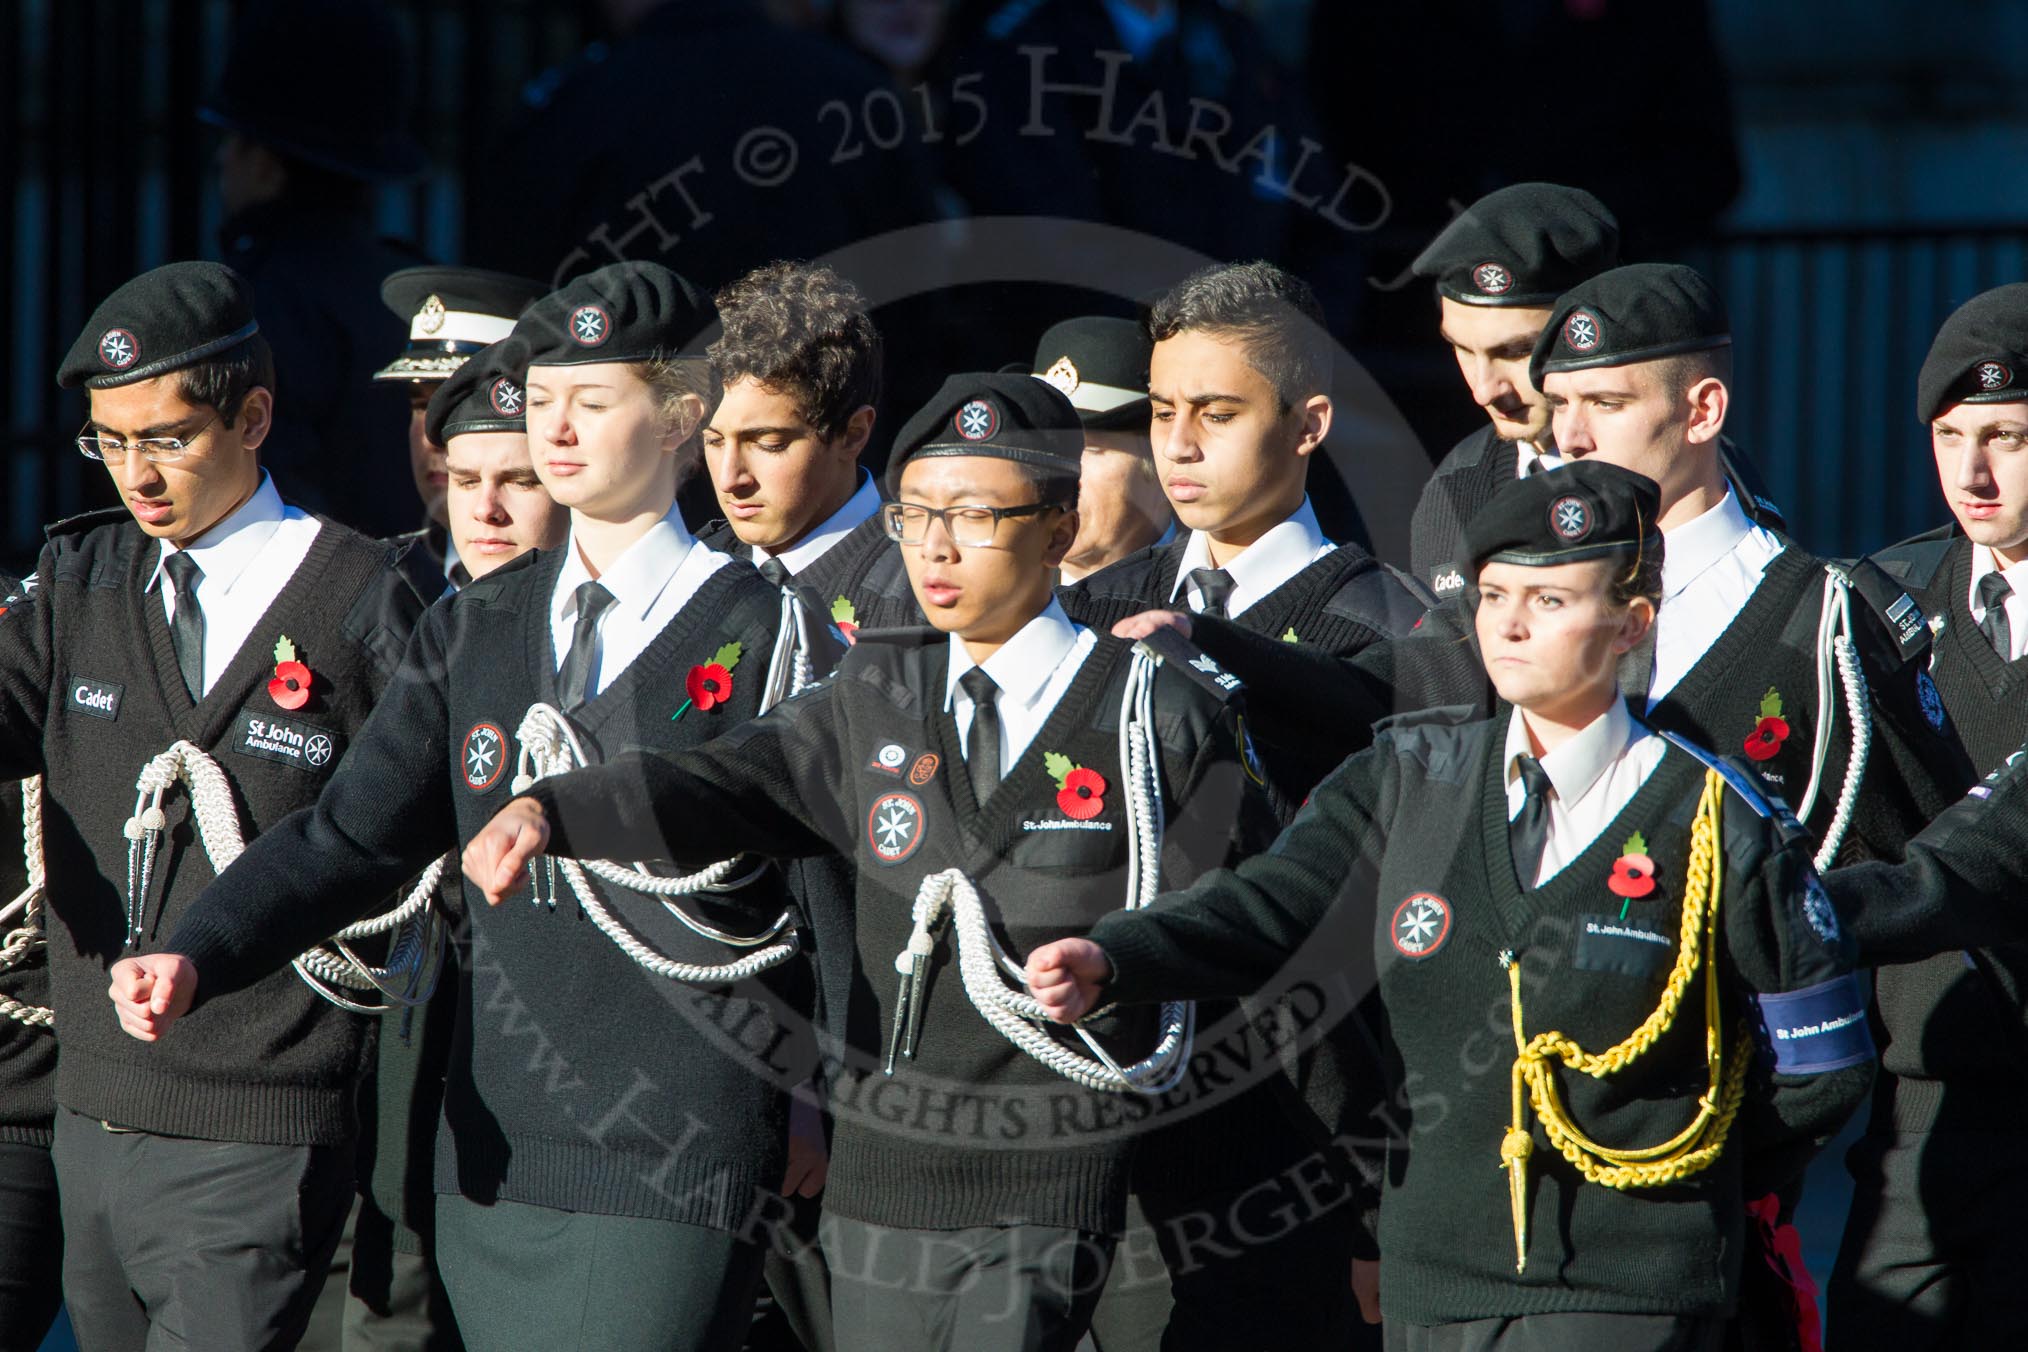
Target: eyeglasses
(907, 523)
(155, 450)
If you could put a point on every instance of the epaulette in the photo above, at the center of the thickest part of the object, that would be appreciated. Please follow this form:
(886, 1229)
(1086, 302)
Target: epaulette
(485, 588)
(901, 636)
(1439, 716)
(1914, 562)
(1895, 605)
(86, 521)
(1744, 476)
(1171, 649)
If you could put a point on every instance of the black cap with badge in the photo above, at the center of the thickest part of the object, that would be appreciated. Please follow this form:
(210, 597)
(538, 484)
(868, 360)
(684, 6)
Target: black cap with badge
(1980, 355)
(1640, 312)
(451, 314)
(1524, 245)
(1001, 415)
(1101, 365)
(167, 318)
(483, 395)
(622, 312)
(1585, 510)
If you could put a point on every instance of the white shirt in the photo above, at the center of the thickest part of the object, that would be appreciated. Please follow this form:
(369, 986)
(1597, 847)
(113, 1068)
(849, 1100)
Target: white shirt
(651, 580)
(1592, 777)
(1285, 550)
(1710, 569)
(1032, 669)
(1529, 460)
(246, 560)
(864, 502)
(2016, 605)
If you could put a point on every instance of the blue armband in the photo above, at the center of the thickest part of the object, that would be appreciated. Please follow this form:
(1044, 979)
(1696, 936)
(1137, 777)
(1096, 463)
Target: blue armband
(1818, 1029)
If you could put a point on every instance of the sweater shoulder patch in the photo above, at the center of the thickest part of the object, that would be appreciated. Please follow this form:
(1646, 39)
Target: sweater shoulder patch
(1444, 742)
(1896, 606)
(1915, 562)
(86, 522)
(1180, 655)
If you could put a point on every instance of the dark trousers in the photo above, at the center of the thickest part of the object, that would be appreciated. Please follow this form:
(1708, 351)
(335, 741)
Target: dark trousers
(1580, 1332)
(31, 1246)
(1019, 1288)
(794, 1313)
(1933, 1250)
(535, 1277)
(172, 1243)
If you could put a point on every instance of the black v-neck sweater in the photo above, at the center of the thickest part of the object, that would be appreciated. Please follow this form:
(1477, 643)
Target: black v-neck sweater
(1399, 874)
(971, 1131)
(27, 1055)
(577, 1080)
(90, 691)
(863, 571)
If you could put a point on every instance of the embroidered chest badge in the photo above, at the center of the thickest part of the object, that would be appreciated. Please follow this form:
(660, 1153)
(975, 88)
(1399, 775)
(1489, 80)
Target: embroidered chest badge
(710, 683)
(846, 617)
(1080, 793)
(1420, 925)
(1633, 875)
(289, 687)
(1931, 700)
(1771, 731)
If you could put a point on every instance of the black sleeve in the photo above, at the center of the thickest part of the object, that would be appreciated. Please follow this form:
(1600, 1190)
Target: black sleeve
(771, 787)
(1961, 882)
(1234, 930)
(385, 814)
(26, 672)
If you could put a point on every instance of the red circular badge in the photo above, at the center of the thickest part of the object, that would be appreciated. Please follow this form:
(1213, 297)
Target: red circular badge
(119, 349)
(894, 827)
(977, 420)
(506, 398)
(1993, 375)
(1493, 279)
(1570, 518)
(590, 326)
(1581, 331)
(1420, 926)
(483, 758)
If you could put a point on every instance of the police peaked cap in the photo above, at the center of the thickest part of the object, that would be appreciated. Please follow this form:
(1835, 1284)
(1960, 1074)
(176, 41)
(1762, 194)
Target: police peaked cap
(1523, 245)
(1640, 312)
(451, 313)
(1101, 364)
(622, 312)
(483, 395)
(168, 318)
(1001, 415)
(1585, 510)
(1980, 355)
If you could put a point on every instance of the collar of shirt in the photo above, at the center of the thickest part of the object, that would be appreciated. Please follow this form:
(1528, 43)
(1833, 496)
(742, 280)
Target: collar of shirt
(223, 552)
(1287, 548)
(1984, 561)
(864, 502)
(1696, 545)
(1575, 767)
(1532, 459)
(1024, 663)
(636, 578)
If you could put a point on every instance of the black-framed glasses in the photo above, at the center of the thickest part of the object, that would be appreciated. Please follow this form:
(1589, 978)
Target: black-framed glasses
(155, 450)
(970, 527)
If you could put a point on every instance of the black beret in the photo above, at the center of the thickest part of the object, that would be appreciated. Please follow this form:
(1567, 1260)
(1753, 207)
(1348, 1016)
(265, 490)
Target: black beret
(483, 395)
(1524, 245)
(1980, 355)
(622, 312)
(1101, 364)
(1585, 510)
(168, 318)
(1002, 415)
(451, 313)
(1632, 314)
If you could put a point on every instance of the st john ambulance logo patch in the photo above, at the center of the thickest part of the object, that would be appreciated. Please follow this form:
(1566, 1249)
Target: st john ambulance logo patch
(1420, 926)
(118, 349)
(484, 756)
(1992, 375)
(977, 420)
(1570, 518)
(589, 326)
(506, 398)
(1492, 279)
(1581, 331)
(894, 827)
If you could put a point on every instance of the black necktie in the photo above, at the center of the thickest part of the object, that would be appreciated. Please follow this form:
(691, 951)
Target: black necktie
(574, 681)
(1993, 593)
(982, 742)
(186, 629)
(776, 572)
(1528, 833)
(1214, 585)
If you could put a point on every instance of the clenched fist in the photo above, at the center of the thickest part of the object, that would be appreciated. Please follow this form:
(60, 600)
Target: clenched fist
(152, 992)
(1066, 977)
(496, 856)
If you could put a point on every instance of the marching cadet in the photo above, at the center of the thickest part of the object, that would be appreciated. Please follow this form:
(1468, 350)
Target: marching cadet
(605, 1210)
(1498, 269)
(31, 1231)
(225, 648)
(1005, 763)
(1685, 1022)
(496, 504)
(1925, 1262)
(451, 314)
(1101, 364)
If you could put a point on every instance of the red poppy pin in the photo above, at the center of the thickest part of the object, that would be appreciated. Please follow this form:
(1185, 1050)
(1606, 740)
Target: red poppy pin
(846, 616)
(290, 685)
(710, 684)
(1633, 875)
(1772, 730)
(1080, 793)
